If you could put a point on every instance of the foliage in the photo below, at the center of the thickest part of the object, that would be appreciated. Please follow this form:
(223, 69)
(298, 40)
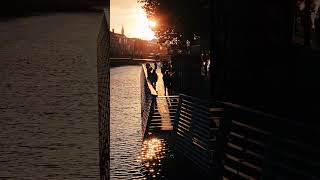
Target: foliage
(178, 20)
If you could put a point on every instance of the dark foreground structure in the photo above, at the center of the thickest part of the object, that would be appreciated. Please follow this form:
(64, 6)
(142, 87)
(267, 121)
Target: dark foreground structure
(265, 56)
(258, 118)
(103, 74)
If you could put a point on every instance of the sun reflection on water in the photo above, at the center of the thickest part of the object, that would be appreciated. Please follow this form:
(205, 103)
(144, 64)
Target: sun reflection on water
(152, 154)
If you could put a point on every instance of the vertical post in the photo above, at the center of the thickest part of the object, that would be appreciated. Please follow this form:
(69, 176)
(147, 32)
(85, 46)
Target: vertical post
(103, 74)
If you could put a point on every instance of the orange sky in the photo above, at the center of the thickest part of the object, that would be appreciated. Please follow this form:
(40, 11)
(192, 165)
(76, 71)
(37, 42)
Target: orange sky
(133, 18)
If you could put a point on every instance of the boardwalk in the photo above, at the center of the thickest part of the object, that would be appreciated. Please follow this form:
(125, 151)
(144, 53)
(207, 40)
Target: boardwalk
(162, 104)
(165, 108)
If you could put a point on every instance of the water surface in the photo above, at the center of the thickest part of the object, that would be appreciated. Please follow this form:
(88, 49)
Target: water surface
(48, 97)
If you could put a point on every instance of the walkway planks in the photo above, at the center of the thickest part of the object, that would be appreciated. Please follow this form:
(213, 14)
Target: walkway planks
(165, 108)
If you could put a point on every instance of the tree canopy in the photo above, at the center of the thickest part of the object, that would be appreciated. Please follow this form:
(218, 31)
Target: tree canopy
(178, 20)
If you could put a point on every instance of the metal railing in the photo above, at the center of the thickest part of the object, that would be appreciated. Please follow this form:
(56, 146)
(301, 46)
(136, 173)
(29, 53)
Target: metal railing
(148, 100)
(256, 145)
(229, 141)
(103, 72)
(196, 128)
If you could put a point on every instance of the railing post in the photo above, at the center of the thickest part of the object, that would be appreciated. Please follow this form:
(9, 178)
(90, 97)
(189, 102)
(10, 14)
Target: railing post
(176, 118)
(103, 74)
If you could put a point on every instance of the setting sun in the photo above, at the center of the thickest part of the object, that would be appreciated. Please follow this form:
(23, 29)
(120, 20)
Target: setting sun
(143, 27)
(134, 19)
(152, 24)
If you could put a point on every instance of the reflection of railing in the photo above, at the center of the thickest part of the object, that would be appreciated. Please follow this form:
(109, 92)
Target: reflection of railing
(103, 71)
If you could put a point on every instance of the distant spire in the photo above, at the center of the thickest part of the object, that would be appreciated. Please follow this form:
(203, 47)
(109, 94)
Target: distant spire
(122, 30)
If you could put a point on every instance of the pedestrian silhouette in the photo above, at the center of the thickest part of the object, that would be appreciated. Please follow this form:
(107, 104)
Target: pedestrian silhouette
(154, 78)
(166, 81)
(155, 66)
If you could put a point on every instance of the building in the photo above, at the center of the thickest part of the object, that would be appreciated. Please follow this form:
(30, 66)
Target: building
(122, 46)
(118, 44)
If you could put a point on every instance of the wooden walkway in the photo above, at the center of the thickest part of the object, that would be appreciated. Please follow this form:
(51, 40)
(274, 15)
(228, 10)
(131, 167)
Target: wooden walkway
(165, 108)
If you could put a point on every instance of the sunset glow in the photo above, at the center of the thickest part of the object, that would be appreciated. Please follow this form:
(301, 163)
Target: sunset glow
(130, 14)
(152, 24)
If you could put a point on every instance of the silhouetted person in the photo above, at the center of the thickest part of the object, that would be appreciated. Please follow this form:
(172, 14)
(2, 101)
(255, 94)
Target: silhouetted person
(164, 67)
(166, 81)
(149, 69)
(171, 84)
(153, 77)
(155, 66)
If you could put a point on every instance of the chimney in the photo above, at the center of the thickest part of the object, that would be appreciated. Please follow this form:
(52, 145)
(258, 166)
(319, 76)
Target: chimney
(112, 30)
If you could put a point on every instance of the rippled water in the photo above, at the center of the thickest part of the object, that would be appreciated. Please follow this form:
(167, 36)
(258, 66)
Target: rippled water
(125, 125)
(48, 97)
(130, 157)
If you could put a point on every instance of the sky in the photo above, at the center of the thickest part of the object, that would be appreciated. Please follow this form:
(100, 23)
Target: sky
(133, 18)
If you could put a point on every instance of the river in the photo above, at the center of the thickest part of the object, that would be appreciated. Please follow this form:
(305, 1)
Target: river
(48, 97)
(125, 124)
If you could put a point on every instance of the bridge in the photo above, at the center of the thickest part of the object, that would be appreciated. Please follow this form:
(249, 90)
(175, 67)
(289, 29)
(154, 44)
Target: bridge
(228, 141)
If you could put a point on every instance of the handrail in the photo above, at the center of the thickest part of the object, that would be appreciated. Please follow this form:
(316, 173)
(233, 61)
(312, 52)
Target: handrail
(148, 99)
(244, 108)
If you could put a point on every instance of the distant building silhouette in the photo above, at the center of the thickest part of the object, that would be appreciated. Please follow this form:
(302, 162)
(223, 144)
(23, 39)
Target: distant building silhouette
(122, 30)
(122, 46)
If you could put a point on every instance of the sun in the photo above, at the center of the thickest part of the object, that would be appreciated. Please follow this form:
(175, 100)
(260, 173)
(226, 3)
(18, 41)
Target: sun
(144, 26)
(134, 19)
(152, 24)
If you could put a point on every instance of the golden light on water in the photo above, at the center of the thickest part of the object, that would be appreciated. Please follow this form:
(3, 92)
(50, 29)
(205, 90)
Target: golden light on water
(152, 150)
(152, 153)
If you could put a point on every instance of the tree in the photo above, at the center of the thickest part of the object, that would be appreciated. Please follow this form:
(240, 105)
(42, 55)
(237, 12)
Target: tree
(178, 20)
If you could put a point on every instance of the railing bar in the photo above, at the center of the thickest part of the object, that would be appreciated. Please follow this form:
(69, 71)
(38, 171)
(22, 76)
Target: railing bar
(250, 127)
